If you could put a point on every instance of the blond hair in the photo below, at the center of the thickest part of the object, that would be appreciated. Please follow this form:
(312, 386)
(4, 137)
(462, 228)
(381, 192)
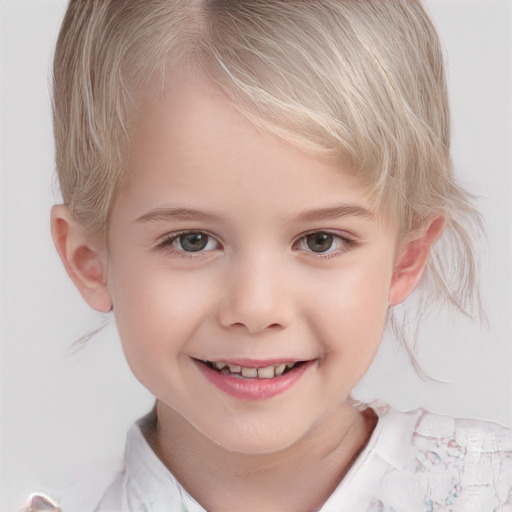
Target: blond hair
(359, 79)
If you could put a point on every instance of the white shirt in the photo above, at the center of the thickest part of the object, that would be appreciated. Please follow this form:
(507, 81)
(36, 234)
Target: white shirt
(413, 462)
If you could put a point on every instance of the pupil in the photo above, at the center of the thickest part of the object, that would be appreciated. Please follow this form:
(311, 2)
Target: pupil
(193, 242)
(319, 242)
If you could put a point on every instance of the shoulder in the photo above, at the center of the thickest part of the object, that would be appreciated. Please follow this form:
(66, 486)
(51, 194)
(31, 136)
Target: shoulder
(464, 444)
(81, 493)
(454, 464)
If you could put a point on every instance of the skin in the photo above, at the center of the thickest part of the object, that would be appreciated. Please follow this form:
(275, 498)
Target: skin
(256, 291)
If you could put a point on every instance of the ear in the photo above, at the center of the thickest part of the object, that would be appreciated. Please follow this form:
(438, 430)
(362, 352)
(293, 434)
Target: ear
(412, 259)
(84, 256)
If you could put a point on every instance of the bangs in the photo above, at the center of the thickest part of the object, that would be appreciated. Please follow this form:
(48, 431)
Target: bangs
(333, 79)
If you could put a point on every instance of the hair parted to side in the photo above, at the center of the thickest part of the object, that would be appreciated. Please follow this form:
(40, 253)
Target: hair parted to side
(358, 79)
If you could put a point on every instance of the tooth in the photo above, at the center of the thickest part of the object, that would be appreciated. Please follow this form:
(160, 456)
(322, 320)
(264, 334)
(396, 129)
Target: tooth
(279, 369)
(250, 373)
(220, 365)
(290, 365)
(266, 373)
(233, 368)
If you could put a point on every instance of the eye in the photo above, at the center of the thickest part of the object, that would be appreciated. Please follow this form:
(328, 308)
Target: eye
(193, 242)
(320, 242)
(190, 242)
(324, 243)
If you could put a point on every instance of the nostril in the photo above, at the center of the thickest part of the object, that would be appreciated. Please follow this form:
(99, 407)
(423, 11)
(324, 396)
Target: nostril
(254, 314)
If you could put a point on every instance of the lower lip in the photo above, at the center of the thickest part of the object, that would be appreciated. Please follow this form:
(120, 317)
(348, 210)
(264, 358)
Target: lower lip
(254, 389)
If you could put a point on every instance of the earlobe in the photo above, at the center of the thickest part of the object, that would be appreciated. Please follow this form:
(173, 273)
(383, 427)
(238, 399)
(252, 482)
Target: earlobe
(412, 260)
(84, 257)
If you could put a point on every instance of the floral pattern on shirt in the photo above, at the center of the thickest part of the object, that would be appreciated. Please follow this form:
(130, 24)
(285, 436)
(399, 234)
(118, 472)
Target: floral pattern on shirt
(460, 466)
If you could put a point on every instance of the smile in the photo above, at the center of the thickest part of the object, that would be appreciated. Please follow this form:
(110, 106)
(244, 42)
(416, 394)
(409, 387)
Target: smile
(265, 372)
(249, 381)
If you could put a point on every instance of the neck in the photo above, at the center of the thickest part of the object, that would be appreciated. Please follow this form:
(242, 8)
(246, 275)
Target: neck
(298, 478)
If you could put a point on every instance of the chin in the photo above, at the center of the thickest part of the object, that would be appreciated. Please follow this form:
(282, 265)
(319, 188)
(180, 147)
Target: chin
(256, 447)
(257, 441)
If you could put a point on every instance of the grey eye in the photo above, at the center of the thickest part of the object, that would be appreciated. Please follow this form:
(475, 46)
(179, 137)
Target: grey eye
(193, 242)
(320, 242)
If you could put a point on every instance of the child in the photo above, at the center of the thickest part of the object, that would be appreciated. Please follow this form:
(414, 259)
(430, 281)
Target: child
(251, 187)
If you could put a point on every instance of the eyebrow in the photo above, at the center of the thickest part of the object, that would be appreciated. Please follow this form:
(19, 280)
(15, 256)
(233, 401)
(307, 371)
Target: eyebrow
(317, 214)
(333, 212)
(167, 214)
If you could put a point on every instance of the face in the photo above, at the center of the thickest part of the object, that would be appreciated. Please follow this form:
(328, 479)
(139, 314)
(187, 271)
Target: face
(250, 281)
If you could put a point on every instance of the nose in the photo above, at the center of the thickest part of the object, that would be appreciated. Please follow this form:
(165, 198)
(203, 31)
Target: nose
(258, 296)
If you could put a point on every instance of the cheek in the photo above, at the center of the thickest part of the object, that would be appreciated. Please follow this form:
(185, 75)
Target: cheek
(352, 309)
(156, 310)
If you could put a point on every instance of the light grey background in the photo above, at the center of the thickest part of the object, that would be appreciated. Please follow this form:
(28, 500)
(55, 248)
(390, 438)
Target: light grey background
(63, 415)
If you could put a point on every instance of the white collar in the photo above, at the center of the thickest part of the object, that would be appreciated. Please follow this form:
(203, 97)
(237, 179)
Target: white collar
(150, 487)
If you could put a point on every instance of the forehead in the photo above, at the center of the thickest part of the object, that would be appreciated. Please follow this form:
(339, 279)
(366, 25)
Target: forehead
(192, 135)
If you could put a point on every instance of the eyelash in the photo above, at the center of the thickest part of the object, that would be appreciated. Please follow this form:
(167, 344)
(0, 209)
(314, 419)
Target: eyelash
(346, 243)
(167, 241)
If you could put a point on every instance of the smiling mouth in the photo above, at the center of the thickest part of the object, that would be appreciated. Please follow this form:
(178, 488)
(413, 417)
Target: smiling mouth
(266, 372)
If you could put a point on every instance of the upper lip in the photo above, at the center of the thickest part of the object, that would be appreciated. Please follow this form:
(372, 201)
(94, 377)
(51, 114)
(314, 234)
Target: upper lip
(252, 363)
